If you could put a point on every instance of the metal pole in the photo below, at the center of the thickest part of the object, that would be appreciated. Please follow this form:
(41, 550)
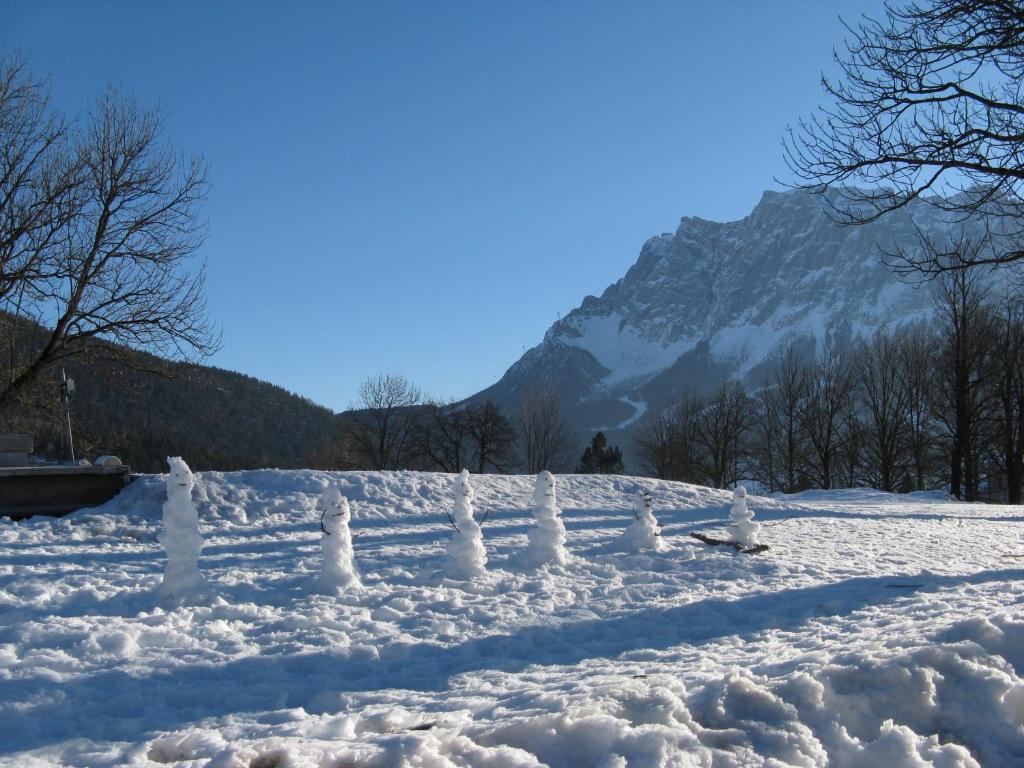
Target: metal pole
(66, 401)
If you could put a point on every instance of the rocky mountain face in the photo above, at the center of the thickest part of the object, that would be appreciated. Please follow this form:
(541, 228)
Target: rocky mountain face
(716, 301)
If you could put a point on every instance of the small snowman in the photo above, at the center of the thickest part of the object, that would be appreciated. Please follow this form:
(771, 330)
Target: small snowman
(645, 532)
(337, 566)
(467, 557)
(180, 537)
(546, 540)
(743, 519)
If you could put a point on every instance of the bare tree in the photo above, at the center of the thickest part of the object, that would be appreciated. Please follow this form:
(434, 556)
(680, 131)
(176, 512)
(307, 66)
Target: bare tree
(917, 366)
(654, 442)
(781, 444)
(963, 329)
(824, 407)
(721, 427)
(666, 440)
(885, 397)
(490, 436)
(545, 438)
(1007, 406)
(442, 437)
(38, 180)
(849, 466)
(384, 421)
(928, 101)
(763, 450)
(97, 229)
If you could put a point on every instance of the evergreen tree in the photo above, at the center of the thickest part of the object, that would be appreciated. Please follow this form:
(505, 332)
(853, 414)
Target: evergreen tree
(600, 458)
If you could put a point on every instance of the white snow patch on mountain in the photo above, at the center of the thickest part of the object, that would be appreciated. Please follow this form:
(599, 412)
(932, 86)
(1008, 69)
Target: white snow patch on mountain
(620, 349)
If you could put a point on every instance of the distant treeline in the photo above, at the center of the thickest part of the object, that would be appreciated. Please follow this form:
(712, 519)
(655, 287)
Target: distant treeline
(939, 406)
(395, 426)
(935, 405)
(143, 409)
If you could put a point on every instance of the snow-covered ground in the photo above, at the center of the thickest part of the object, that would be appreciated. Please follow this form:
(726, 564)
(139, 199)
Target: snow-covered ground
(878, 632)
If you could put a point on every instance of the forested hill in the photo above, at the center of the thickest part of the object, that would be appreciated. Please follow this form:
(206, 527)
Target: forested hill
(215, 419)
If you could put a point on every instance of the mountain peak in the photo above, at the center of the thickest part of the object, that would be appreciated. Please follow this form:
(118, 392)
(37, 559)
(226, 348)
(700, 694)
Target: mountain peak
(717, 300)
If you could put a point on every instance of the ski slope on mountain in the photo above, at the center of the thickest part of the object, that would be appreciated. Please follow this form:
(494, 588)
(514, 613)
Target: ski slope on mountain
(879, 630)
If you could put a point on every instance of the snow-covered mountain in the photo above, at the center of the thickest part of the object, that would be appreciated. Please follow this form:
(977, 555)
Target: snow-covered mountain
(721, 300)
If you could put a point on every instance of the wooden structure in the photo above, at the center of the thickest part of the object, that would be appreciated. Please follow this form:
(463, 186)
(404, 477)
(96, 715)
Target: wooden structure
(14, 450)
(57, 490)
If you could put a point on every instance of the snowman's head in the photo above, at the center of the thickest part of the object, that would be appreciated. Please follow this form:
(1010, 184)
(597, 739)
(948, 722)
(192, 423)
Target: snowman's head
(334, 509)
(179, 476)
(739, 493)
(544, 490)
(642, 502)
(462, 486)
(332, 498)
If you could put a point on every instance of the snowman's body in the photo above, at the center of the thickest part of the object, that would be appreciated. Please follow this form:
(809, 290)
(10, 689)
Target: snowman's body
(546, 540)
(645, 532)
(746, 530)
(337, 565)
(180, 537)
(467, 557)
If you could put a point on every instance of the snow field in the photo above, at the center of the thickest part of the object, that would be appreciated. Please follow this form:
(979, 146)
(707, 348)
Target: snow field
(879, 631)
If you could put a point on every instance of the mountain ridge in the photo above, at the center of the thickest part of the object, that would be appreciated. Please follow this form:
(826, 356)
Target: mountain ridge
(718, 300)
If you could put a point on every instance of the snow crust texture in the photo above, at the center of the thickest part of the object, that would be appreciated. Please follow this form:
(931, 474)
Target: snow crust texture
(879, 632)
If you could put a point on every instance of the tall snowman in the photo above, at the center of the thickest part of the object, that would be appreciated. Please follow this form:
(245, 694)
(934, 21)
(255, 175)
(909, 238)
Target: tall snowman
(467, 558)
(546, 539)
(180, 537)
(337, 565)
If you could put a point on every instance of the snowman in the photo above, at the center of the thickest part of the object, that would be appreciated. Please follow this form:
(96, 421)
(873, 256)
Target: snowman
(337, 567)
(467, 557)
(645, 531)
(743, 519)
(546, 540)
(180, 537)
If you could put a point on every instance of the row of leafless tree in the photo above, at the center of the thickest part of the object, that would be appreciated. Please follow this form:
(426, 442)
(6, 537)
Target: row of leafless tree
(936, 406)
(395, 426)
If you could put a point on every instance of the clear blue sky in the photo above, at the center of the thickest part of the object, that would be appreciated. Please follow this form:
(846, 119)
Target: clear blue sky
(422, 187)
